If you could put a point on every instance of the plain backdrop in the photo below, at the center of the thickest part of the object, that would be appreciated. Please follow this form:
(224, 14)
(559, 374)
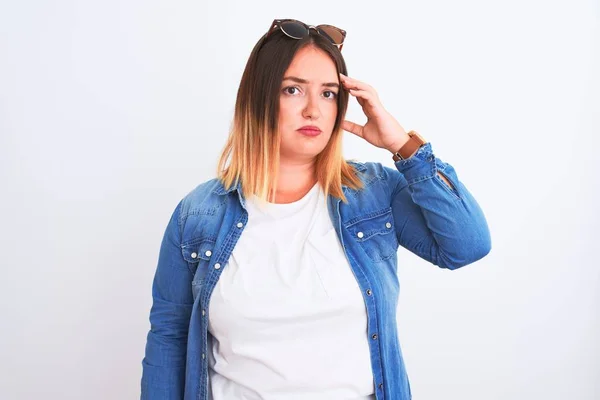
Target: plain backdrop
(111, 111)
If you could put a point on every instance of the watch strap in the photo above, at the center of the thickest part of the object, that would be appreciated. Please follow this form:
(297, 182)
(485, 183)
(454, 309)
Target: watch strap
(410, 147)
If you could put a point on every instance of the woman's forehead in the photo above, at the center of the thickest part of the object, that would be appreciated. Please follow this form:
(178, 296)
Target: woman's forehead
(313, 65)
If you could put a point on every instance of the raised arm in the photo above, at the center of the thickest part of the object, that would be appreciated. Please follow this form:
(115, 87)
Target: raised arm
(436, 217)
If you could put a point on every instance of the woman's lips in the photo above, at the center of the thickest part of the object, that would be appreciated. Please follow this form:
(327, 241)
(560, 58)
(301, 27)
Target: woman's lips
(309, 131)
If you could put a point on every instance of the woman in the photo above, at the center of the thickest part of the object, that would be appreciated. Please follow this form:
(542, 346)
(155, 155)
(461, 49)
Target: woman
(277, 279)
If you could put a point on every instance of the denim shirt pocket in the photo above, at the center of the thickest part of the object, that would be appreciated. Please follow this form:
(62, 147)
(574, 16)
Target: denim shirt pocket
(197, 253)
(375, 234)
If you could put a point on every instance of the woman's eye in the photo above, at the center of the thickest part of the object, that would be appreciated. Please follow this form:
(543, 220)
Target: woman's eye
(288, 89)
(294, 90)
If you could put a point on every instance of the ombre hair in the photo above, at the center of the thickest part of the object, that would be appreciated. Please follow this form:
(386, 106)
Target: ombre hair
(253, 145)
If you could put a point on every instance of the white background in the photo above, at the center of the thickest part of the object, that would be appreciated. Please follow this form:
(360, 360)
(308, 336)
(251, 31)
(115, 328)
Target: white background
(111, 111)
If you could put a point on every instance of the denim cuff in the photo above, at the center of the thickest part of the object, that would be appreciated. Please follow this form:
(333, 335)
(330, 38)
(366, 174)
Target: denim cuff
(421, 166)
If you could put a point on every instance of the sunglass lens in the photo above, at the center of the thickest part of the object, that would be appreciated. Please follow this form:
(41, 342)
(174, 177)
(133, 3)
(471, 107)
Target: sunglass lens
(294, 29)
(331, 33)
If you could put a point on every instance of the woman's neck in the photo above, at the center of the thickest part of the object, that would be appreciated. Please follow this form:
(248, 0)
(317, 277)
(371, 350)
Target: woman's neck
(294, 181)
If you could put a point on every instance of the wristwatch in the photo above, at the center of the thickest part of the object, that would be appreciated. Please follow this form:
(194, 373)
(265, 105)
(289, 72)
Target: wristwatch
(409, 148)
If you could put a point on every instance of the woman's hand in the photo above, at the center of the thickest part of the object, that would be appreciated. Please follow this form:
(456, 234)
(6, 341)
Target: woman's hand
(381, 130)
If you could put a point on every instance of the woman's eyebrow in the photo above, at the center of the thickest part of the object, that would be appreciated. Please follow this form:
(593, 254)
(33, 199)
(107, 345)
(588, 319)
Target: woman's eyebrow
(300, 80)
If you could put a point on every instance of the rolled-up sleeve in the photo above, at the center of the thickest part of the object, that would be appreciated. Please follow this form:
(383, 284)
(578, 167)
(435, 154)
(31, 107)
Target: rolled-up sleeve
(441, 224)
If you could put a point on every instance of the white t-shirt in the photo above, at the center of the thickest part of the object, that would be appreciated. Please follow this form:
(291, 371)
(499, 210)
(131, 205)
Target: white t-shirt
(287, 314)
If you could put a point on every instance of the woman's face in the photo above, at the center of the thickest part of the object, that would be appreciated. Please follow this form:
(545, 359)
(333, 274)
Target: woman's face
(308, 97)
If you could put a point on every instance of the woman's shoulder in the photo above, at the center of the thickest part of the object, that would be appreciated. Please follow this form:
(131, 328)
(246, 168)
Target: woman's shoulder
(205, 196)
(378, 177)
(371, 169)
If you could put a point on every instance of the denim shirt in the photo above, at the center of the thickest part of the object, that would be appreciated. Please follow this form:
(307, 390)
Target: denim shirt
(410, 206)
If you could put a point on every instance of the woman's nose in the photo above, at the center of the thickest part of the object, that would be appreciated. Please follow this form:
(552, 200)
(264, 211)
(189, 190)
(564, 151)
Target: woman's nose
(312, 110)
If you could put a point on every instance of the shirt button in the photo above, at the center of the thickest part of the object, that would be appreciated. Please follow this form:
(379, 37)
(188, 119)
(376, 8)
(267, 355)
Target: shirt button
(194, 255)
(203, 356)
(203, 312)
(374, 336)
(360, 234)
(217, 266)
(208, 253)
(388, 225)
(381, 386)
(239, 224)
(369, 292)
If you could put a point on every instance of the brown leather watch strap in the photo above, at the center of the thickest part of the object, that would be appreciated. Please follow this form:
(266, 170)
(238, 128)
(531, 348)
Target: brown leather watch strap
(409, 148)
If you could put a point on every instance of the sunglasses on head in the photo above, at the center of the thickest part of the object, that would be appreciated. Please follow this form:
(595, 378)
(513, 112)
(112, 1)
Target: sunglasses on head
(298, 30)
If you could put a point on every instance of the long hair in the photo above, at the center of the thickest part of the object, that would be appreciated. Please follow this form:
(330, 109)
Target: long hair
(253, 145)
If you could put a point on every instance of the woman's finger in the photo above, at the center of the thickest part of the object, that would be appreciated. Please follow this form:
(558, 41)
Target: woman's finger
(361, 100)
(363, 95)
(351, 83)
(353, 128)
